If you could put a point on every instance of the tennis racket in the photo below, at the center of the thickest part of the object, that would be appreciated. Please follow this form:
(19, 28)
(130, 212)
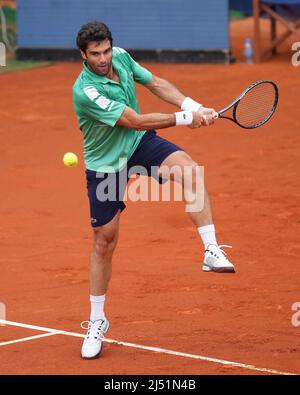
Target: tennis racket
(254, 107)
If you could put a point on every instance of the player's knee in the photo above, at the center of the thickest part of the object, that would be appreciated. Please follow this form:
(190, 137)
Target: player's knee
(104, 244)
(191, 174)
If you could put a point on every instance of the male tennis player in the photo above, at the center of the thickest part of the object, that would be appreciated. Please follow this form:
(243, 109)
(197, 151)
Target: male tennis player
(113, 128)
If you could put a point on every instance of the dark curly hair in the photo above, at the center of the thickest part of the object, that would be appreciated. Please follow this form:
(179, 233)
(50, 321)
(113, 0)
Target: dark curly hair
(93, 31)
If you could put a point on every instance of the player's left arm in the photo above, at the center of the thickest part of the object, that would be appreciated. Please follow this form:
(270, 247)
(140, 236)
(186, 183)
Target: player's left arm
(165, 91)
(168, 92)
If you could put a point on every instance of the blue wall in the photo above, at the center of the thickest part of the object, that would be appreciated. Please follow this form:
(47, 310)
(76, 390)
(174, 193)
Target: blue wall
(136, 24)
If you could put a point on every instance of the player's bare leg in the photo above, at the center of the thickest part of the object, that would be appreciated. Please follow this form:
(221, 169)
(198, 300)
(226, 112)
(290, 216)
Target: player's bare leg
(214, 258)
(105, 241)
(179, 160)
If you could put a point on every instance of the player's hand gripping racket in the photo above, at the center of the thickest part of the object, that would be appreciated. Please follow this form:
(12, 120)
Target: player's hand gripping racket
(254, 107)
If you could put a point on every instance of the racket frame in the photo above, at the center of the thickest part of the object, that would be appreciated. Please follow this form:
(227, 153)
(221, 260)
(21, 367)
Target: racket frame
(235, 103)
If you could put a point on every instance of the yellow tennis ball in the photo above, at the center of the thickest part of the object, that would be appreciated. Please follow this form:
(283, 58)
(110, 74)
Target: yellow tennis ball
(70, 159)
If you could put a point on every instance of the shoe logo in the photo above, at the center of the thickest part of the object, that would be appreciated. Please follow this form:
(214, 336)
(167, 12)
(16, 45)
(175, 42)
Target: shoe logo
(93, 220)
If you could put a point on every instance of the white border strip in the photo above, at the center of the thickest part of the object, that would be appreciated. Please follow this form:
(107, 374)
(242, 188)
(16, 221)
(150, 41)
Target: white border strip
(25, 339)
(154, 349)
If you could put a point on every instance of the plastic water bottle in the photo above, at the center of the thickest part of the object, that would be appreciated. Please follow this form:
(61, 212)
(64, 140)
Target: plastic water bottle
(248, 51)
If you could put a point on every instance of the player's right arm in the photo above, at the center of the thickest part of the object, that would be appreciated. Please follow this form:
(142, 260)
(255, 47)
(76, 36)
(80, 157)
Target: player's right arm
(132, 120)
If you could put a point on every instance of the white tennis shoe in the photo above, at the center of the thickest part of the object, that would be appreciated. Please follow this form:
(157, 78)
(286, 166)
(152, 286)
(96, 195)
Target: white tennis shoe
(93, 341)
(215, 260)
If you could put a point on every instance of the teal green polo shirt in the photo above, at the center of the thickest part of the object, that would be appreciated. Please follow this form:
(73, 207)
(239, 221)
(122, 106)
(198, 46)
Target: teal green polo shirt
(99, 102)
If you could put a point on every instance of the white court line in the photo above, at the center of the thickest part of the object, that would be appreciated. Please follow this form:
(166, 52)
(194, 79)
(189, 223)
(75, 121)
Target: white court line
(41, 328)
(25, 339)
(154, 349)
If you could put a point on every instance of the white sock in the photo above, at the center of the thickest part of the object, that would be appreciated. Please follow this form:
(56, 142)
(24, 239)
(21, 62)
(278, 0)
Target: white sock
(207, 234)
(97, 307)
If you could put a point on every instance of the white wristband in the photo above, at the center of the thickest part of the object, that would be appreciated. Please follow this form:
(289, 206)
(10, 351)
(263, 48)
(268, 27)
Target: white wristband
(189, 104)
(184, 118)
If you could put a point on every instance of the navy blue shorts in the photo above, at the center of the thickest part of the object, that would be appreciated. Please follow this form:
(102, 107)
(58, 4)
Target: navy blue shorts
(151, 151)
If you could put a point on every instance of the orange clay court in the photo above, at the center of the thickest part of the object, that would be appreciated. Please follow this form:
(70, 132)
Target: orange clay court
(198, 323)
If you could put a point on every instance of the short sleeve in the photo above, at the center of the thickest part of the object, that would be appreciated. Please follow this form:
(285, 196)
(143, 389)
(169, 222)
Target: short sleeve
(140, 74)
(98, 107)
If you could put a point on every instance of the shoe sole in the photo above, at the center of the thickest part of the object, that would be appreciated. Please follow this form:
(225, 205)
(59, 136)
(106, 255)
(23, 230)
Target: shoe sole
(101, 349)
(206, 268)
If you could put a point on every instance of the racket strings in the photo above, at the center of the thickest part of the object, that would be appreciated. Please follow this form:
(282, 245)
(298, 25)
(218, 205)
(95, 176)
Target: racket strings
(256, 105)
